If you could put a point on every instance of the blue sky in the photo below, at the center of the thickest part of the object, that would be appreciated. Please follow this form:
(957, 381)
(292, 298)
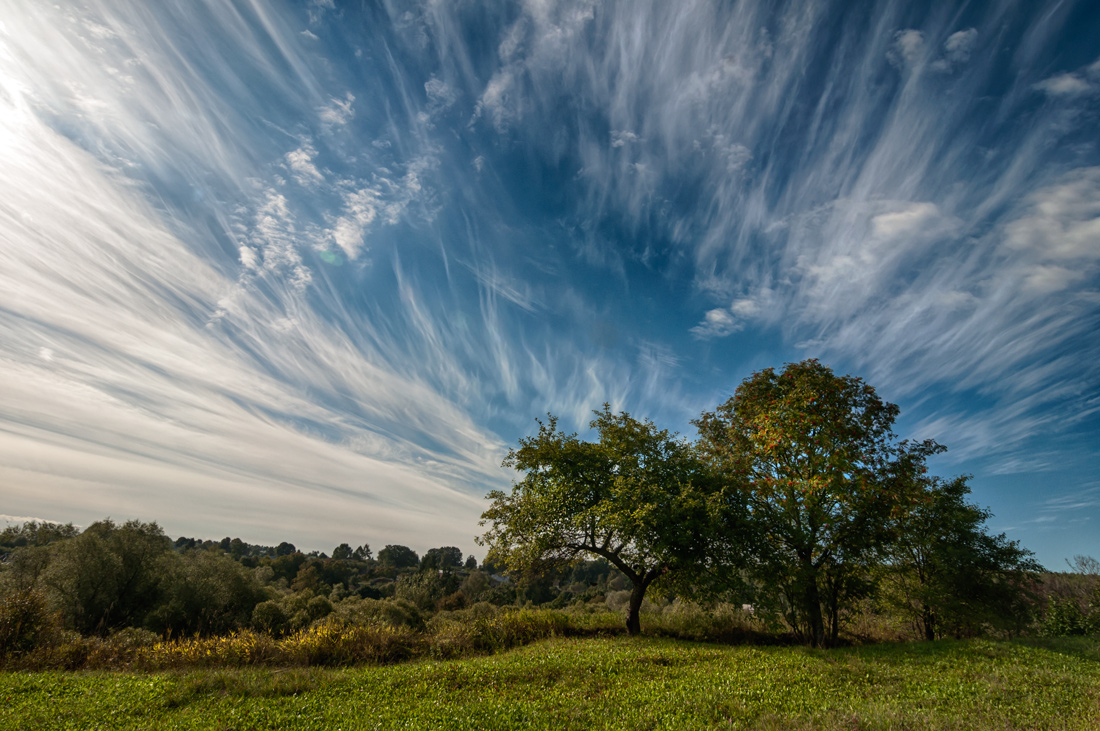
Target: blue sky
(305, 271)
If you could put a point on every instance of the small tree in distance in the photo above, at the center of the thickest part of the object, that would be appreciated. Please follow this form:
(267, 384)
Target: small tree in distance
(398, 557)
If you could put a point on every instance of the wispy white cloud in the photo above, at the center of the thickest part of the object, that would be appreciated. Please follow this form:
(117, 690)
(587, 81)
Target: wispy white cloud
(302, 166)
(717, 323)
(575, 209)
(1067, 84)
(956, 50)
(173, 382)
(908, 48)
(338, 112)
(852, 212)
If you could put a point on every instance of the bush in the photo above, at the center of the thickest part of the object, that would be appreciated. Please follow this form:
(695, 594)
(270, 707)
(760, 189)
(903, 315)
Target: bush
(336, 643)
(270, 617)
(233, 650)
(1065, 618)
(393, 612)
(25, 623)
(727, 623)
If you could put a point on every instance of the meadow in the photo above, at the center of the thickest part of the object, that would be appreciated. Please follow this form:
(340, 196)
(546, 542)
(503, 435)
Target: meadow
(598, 683)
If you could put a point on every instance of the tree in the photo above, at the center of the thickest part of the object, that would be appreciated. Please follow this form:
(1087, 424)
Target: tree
(34, 533)
(342, 552)
(475, 584)
(107, 577)
(363, 553)
(823, 475)
(446, 557)
(285, 549)
(950, 575)
(398, 557)
(204, 592)
(638, 497)
(238, 549)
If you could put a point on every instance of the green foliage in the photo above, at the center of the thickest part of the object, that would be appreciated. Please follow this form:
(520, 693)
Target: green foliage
(949, 576)
(1068, 616)
(447, 557)
(108, 576)
(638, 497)
(24, 566)
(1064, 618)
(1072, 599)
(35, 533)
(422, 588)
(26, 622)
(270, 617)
(204, 592)
(398, 557)
(475, 585)
(817, 460)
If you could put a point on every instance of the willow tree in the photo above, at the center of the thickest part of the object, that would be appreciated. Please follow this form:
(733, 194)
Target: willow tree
(638, 497)
(824, 479)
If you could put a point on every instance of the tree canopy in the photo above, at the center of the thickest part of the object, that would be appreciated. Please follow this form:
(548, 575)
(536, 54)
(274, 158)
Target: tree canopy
(824, 477)
(398, 556)
(952, 577)
(638, 497)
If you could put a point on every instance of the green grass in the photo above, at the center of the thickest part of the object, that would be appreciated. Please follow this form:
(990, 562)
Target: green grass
(614, 683)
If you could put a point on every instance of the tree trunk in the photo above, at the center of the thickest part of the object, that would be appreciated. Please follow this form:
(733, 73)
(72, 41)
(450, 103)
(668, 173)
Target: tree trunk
(833, 588)
(929, 621)
(834, 625)
(633, 622)
(813, 612)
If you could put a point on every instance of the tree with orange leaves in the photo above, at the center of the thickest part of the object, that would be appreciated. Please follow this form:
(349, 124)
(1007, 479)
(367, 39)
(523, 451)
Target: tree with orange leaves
(825, 480)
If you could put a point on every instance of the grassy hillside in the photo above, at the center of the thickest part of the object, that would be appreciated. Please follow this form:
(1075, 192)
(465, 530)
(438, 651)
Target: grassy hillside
(600, 683)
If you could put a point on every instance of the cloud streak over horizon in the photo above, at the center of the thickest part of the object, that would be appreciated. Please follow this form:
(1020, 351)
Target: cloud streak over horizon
(296, 272)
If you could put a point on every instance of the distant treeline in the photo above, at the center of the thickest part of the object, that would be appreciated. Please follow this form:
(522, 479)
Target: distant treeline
(112, 576)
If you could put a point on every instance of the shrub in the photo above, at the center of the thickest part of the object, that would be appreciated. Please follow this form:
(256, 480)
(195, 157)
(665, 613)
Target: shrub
(270, 617)
(336, 643)
(236, 649)
(25, 623)
(1065, 617)
(688, 620)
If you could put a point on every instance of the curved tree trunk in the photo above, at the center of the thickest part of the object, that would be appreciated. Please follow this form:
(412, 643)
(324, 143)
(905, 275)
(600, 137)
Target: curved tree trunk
(633, 622)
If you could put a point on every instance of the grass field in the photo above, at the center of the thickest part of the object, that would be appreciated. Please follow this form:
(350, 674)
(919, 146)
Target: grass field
(612, 683)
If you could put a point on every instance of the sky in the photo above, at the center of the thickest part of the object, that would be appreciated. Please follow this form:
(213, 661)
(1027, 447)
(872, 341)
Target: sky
(305, 271)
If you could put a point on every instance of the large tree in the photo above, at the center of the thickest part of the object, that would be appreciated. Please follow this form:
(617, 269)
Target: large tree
(637, 496)
(823, 476)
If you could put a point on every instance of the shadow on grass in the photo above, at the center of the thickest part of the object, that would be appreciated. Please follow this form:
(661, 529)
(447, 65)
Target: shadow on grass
(1084, 648)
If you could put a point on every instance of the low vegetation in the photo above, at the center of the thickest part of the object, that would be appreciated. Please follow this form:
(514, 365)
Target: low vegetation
(601, 683)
